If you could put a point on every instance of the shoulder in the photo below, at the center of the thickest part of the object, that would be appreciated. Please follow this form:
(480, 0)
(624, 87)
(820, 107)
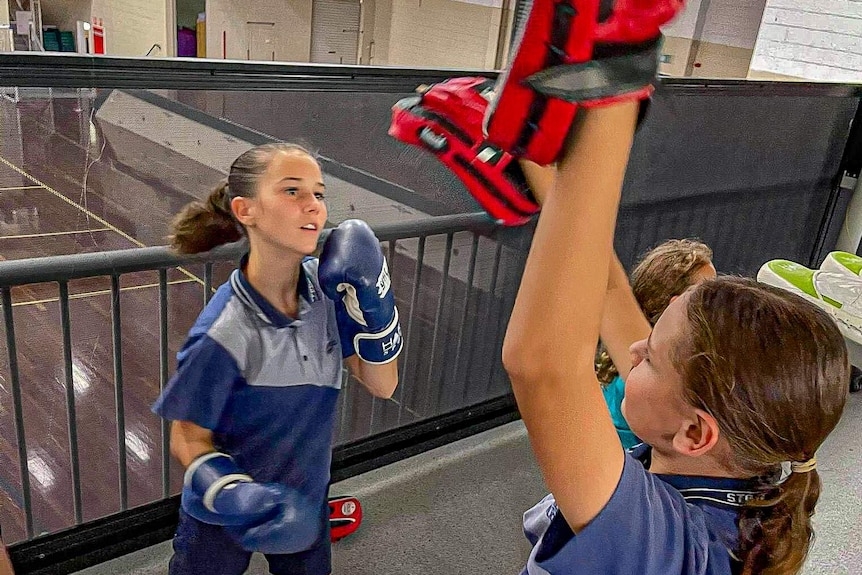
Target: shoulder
(666, 535)
(213, 310)
(225, 325)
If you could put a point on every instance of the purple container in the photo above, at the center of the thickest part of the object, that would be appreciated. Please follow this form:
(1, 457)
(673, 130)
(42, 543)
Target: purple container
(187, 43)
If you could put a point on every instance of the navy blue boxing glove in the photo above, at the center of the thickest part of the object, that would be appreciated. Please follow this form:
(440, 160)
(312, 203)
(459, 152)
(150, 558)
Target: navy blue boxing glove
(265, 517)
(353, 273)
(216, 491)
(296, 527)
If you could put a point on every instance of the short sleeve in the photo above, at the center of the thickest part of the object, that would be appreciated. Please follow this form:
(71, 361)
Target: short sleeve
(646, 528)
(537, 519)
(200, 389)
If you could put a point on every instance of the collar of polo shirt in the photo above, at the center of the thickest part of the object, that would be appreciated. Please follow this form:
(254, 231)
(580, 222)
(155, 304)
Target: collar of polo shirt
(308, 294)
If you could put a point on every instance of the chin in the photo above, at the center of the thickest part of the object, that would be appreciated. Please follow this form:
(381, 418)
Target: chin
(303, 247)
(301, 250)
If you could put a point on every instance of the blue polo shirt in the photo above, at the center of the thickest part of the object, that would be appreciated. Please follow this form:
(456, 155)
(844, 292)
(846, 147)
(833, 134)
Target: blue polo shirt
(264, 383)
(653, 525)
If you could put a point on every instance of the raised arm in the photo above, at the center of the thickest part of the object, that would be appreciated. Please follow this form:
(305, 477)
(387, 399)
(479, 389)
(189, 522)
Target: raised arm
(623, 323)
(354, 274)
(551, 338)
(379, 379)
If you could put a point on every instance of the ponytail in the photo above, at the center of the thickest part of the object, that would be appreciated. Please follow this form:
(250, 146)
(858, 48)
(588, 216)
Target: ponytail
(775, 533)
(775, 404)
(200, 227)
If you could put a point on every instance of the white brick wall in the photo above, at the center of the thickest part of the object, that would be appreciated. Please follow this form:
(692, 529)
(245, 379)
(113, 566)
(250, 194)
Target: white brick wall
(811, 39)
(726, 31)
(683, 25)
(227, 23)
(65, 13)
(5, 35)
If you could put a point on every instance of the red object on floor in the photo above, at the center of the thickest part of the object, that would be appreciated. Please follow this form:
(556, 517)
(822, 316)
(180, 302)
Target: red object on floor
(345, 516)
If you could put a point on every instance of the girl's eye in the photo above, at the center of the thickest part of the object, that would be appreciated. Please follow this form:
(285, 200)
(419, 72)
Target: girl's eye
(319, 196)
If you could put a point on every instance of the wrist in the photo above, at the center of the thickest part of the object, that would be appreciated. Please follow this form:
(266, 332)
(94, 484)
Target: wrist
(380, 347)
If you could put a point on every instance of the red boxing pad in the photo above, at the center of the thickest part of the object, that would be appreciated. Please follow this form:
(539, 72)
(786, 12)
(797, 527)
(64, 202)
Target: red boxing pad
(345, 516)
(635, 21)
(462, 101)
(446, 119)
(522, 121)
(574, 53)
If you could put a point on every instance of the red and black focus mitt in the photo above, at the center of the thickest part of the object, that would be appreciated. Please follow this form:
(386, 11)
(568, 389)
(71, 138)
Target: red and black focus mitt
(446, 119)
(573, 53)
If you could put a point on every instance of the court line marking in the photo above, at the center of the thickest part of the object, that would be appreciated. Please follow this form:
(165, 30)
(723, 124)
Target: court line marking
(15, 188)
(90, 214)
(82, 295)
(46, 234)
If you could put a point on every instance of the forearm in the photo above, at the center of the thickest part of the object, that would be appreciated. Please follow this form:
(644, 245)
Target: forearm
(379, 379)
(539, 178)
(189, 441)
(623, 322)
(617, 277)
(541, 181)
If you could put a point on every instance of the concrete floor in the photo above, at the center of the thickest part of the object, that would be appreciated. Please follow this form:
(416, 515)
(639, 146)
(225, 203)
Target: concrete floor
(457, 509)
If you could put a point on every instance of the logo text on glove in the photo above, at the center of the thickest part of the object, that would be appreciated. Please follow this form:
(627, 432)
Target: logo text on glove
(393, 343)
(383, 281)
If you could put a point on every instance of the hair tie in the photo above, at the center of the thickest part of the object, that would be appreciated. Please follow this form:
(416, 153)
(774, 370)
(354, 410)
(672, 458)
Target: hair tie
(803, 466)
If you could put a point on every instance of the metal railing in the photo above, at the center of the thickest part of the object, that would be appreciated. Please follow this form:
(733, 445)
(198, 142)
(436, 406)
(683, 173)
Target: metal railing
(423, 364)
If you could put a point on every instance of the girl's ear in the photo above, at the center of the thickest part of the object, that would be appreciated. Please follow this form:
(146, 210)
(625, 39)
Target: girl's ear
(243, 210)
(697, 437)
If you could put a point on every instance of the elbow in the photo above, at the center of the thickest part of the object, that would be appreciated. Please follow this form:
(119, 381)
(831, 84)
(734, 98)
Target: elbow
(521, 363)
(384, 393)
(531, 364)
(386, 390)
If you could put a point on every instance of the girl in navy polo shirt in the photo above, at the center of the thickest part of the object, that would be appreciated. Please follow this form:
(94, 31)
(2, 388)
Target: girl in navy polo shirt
(663, 274)
(734, 389)
(254, 396)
